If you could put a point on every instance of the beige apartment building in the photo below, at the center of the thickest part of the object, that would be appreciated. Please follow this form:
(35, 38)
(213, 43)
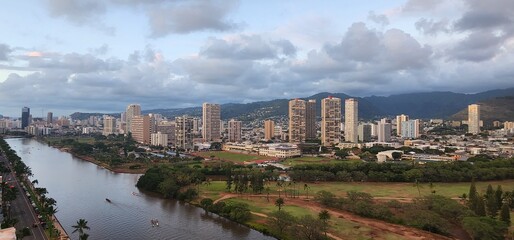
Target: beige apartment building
(330, 121)
(142, 128)
(474, 118)
(109, 126)
(184, 132)
(132, 111)
(399, 120)
(211, 122)
(269, 129)
(234, 130)
(351, 120)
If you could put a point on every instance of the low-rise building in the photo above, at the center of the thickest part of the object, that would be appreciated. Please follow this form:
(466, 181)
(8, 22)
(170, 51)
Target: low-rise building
(280, 150)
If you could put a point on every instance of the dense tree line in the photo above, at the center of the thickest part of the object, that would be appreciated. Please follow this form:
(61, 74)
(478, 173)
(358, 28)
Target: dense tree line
(170, 181)
(433, 213)
(457, 171)
(238, 212)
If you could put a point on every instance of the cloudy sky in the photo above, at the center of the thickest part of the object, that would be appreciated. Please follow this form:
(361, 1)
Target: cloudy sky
(100, 55)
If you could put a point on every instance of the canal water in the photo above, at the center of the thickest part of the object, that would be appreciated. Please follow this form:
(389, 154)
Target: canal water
(80, 189)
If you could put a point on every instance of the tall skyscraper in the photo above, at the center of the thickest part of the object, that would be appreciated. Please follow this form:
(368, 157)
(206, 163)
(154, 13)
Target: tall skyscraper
(351, 119)
(410, 129)
(132, 111)
(25, 115)
(310, 119)
(49, 118)
(330, 121)
(109, 126)
(296, 120)
(384, 131)
(234, 131)
(269, 129)
(474, 118)
(399, 120)
(184, 132)
(364, 132)
(142, 128)
(211, 122)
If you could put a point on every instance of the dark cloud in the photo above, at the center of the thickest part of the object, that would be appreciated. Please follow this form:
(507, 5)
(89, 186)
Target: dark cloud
(286, 47)
(380, 19)
(358, 44)
(431, 27)
(478, 46)
(5, 50)
(77, 11)
(191, 16)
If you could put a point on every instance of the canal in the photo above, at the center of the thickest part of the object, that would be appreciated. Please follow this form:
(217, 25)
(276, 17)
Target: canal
(80, 189)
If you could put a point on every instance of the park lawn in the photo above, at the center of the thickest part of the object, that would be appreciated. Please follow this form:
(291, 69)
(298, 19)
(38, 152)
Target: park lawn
(231, 156)
(385, 190)
(338, 226)
(309, 160)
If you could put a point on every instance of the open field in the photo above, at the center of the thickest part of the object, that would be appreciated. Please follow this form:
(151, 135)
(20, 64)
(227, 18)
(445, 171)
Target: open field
(231, 156)
(377, 190)
(308, 160)
(339, 226)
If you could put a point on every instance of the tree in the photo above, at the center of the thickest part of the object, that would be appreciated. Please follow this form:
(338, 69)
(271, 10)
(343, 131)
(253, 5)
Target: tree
(480, 206)
(80, 227)
(324, 216)
(505, 214)
(206, 203)
(472, 196)
(484, 228)
(279, 203)
(309, 228)
(499, 196)
(281, 221)
(396, 155)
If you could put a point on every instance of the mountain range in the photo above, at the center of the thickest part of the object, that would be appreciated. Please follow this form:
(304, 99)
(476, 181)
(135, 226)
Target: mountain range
(417, 105)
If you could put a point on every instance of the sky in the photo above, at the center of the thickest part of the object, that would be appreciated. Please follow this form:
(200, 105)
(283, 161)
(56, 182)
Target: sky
(101, 55)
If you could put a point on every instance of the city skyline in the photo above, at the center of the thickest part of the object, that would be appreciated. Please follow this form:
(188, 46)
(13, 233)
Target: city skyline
(233, 55)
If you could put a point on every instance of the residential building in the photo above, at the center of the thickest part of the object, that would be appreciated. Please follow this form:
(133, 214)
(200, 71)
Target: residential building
(167, 127)
(410, 129)
(141, 128)
(297, 121)
(399, 120)
(49, 118)
(269, 129)
(25, 115)
(330, 121)
(211, 120)
(280, 150)
(184, 132)
(310, 119)
(132, 111)
(474, 118)
(364, 132)
(351, 119)
(109, 126)
(234, 131)
(384, 132)
(159, 139)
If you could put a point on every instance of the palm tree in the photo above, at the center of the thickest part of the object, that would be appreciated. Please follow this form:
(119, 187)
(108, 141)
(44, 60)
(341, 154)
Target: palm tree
(81, 225)
(324, 216)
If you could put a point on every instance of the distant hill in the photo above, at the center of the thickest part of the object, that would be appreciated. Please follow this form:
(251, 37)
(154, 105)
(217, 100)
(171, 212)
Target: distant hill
(495, 109)
(416, 105)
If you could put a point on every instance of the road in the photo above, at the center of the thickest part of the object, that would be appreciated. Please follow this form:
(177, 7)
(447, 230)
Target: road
(21, 207)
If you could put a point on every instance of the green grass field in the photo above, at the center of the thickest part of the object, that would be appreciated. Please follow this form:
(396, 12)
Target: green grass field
(385, 190)
(231, 156)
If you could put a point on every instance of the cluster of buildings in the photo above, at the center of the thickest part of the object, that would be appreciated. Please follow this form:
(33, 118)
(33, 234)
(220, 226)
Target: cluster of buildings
(270, 137)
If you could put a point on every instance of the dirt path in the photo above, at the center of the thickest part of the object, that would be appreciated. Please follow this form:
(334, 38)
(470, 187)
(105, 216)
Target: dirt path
(407, 232)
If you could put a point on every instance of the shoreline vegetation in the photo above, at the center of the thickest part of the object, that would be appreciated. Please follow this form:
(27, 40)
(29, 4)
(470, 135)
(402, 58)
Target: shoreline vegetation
(242, 198)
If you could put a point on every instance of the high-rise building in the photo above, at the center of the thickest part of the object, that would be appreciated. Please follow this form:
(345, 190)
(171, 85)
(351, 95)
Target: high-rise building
(364, 132)
(474, 118)
(167, 127)
(399, 120)
(196, 125)
(184, 132)
(25, 115)
(132, 111)
(330, 121)
(384, 131)
(109, 126)
(142, 128)
(297, 120)
(310, 119)
(351, 119)
(410, 129)
(269, 129)
(159, 139)
(49, 118)
(211, 122)
(234, 131)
